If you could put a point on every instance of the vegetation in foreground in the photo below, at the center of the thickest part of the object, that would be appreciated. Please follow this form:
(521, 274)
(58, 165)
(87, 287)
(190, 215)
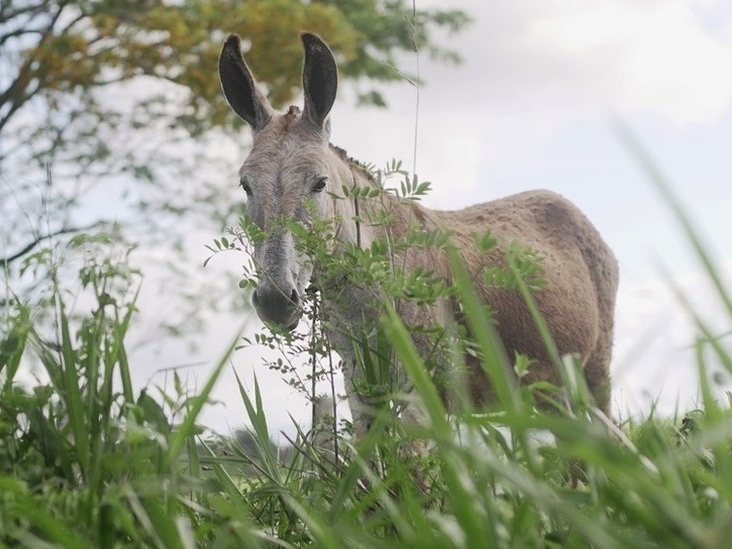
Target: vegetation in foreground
(85, 461)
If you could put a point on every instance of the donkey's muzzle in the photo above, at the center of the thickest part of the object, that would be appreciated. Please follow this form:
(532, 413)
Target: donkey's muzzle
(277, 305)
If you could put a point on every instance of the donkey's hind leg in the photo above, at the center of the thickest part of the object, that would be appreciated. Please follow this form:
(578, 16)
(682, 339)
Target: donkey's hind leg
(597, 373)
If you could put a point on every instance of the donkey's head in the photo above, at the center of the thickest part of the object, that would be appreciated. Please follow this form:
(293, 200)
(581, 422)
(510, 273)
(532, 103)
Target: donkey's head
(286, 172)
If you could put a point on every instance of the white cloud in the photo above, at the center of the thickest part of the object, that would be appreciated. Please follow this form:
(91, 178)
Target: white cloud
(658, 55)
(536, 70)
(672, 58)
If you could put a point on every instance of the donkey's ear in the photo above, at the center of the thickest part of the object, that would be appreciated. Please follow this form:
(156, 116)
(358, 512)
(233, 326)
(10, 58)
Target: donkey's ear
(319, 79)
(239, 87)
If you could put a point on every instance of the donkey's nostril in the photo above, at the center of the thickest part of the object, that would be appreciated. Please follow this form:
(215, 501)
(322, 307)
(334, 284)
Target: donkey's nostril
(294, 297)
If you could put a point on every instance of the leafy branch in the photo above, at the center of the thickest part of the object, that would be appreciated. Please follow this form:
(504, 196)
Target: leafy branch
(6, 261)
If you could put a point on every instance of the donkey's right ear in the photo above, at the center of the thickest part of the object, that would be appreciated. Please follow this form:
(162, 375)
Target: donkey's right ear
(239, 87)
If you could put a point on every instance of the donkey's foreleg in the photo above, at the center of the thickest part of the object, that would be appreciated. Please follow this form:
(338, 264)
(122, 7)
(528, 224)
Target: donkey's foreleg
(361, 413)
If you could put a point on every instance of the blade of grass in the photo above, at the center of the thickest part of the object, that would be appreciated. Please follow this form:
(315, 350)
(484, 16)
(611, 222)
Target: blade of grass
(120, 332)
(258, 419)
(700, 323)
(187, 428)
(71, 392)
(365, 449)
(461, 491)
(144, 520)
(13, 346)
(321, 533)
(493, 358)
(574, 384)
(54, 530)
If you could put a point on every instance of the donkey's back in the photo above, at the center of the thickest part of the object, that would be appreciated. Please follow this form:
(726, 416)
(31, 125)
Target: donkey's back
(576, 296)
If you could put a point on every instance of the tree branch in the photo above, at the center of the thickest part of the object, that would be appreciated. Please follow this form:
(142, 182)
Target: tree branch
(5, 262)
(17, 93)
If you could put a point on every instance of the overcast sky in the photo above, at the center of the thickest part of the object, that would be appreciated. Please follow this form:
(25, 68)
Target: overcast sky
(532, 107)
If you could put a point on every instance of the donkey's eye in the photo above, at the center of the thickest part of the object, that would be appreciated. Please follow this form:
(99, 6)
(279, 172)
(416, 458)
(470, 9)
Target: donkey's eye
(244, 184)
(320, 184)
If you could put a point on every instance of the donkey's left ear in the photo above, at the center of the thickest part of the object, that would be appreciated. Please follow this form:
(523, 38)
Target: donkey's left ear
(319, 79)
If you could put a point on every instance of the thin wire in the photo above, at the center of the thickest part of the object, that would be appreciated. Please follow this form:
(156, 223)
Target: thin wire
(416, 88)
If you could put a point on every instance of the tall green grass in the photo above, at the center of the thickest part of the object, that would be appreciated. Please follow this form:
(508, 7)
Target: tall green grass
(85, 461)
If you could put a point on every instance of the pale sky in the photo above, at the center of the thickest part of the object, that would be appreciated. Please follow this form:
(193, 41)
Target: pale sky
(532, 107)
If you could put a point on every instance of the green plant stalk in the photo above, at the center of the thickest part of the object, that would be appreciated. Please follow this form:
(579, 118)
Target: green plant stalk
(120, 331)
(72, 393)
(258, 419)
(13, 346)
(494, 361)
(575, 385)
(187, 428)
(477, 530)
(365, 449)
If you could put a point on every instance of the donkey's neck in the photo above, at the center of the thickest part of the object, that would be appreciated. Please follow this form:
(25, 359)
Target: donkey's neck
(361, 218)
(365, 219)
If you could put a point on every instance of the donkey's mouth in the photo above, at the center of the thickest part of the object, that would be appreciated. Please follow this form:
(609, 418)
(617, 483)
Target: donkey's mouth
(286, 322)
(292, 324)
(282, 318)
(277, 325)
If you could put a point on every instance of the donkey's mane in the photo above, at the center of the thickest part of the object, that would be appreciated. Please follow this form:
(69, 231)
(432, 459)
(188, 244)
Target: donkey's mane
(355, 164)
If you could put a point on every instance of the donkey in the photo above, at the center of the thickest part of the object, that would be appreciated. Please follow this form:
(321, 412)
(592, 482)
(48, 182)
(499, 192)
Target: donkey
(293, 172)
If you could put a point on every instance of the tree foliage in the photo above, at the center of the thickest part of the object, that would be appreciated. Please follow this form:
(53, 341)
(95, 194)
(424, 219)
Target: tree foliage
(111, 109)
(65, 47)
